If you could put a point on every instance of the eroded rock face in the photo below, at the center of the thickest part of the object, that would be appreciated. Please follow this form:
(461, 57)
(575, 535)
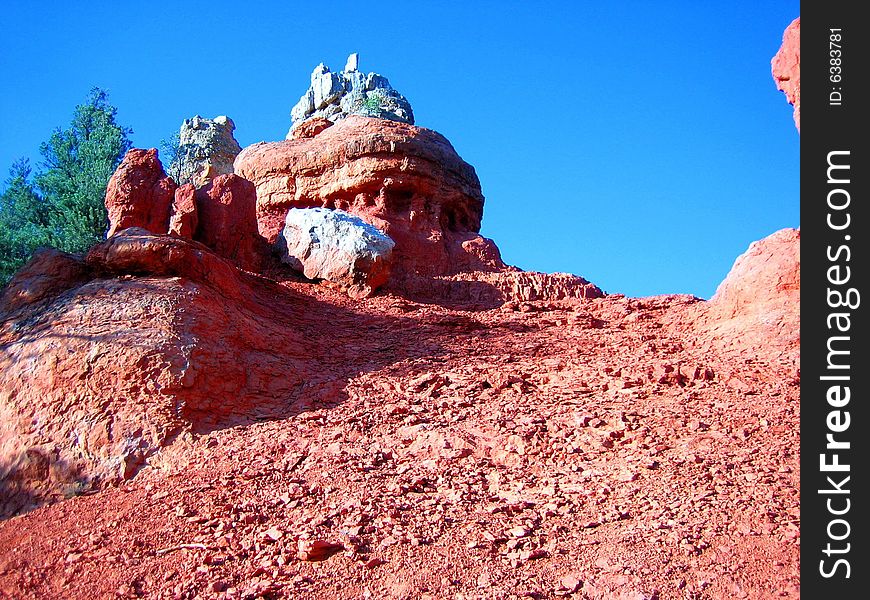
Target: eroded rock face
(149, 336)
(222, 214)
(207, 148)
(334, 96)
(759, 300)
(786, 67)
(308, 128)
(48, 273)
(139, 193)
(183, 218)
(226, 210)
(406, 181)
(336, 246)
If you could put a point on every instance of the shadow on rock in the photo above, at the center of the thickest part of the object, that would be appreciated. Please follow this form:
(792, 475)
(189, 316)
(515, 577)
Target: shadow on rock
(165, 337)
(33, 477)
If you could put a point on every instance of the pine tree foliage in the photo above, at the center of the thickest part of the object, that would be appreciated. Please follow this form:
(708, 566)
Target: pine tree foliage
(23, 220)
(63, 204)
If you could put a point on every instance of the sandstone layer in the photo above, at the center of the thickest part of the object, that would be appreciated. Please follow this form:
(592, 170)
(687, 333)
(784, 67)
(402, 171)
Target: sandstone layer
(759, 300)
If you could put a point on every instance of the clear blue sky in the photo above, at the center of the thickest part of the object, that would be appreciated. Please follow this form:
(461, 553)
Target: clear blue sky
(642, 145)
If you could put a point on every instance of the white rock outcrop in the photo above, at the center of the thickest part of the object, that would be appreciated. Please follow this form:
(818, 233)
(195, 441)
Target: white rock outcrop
(336, 246)
(334, 96)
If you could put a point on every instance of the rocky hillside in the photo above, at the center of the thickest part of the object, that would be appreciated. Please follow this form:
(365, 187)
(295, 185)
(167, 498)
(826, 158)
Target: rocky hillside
(236, 396)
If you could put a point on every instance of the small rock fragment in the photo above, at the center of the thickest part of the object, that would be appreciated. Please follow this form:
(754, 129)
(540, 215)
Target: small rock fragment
(317, 550)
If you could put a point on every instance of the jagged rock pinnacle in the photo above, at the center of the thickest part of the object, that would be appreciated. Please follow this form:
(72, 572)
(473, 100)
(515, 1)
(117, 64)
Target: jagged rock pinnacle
(351, 92)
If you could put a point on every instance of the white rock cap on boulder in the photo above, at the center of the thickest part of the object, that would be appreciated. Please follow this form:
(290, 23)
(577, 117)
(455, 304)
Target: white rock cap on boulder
(335, 96)
(336, 246)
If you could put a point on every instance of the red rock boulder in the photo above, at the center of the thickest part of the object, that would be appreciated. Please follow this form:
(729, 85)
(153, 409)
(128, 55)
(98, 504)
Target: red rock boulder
(183, 219)
(226, 211)
(407, 181)
(786, 67)
(139, 193)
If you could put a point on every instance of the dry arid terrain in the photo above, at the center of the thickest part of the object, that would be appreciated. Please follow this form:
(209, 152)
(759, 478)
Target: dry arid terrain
(184, 415)
(598, 448)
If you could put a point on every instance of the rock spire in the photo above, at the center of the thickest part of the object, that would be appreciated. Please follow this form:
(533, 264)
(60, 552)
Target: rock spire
(350, 92)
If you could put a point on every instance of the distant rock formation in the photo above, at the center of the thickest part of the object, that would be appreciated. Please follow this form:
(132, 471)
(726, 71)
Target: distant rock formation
(206, 149)
(338, 247)
(786, 67)
(334, 96)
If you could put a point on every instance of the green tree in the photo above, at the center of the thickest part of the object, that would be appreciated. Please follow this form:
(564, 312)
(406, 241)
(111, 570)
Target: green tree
(78, 163)
(23, 220)
(64, 204)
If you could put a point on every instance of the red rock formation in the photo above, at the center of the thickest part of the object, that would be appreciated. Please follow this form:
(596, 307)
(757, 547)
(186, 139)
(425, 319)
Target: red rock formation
(148, 336)
(226, 212)
(135, 251)
(48, 273)
(406, 181)
(249, 421)
(759, 301)
(786, 67)
(222, 215)
(139, 193)
(309, 128)
(183, 220)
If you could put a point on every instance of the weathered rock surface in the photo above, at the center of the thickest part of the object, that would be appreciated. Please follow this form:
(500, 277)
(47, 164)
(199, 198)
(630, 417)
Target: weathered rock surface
(183, 219)
(309, 128)
(760, 297)
(222, 214)
(149, 336)
(139, 193)
(48, 273)
(338, 247)
(226, 210)
(786, 67)
(406, 181)
(334, 96)
(600, 445)
(207, 148)
(493, 289)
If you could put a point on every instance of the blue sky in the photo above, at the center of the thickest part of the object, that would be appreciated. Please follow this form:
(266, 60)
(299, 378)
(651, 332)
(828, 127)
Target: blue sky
(642, 145)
